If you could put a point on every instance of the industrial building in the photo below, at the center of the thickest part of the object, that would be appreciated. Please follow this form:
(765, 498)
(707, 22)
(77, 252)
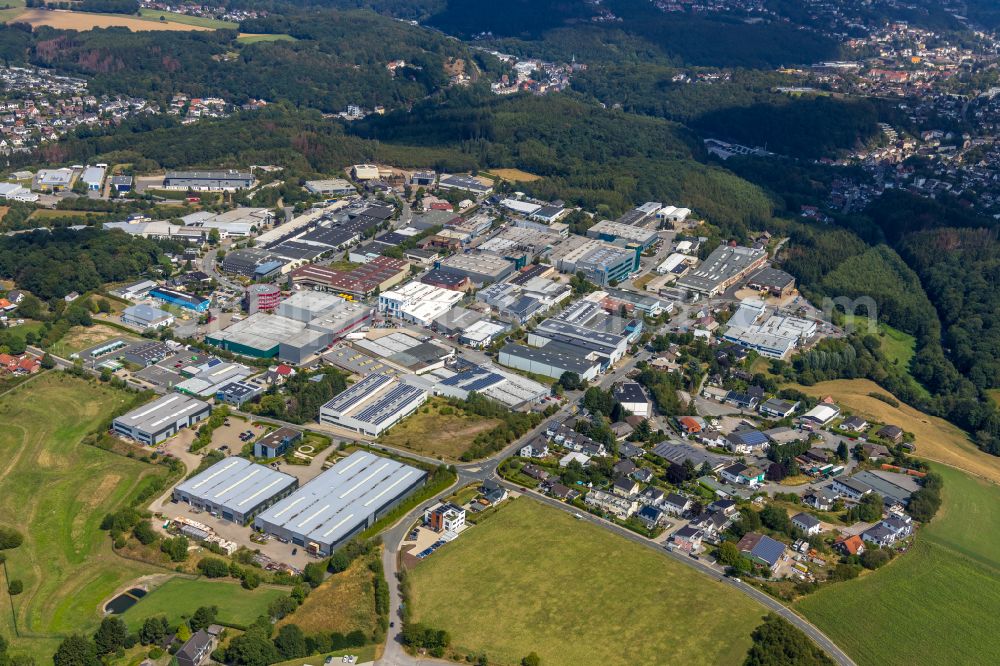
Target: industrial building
(480, 268)
(303, 324)
(235, 489)
(373, 405)
(726, 266)
(378, 274)
(600, 262)
(586, 326)
(154, 422)
(552, 360)
(180, 298)
(775, 281)
(405, 351)
(613, 232)
(418, 303)
(206, 379)
(330, 187)
(342, 501)
(464, 182)
(93, 177)
(252, 263)
(237, 222)
(146, 316)
(776, 336)
(208, 181)
(505, 387)
(237, 393)
(261, 296)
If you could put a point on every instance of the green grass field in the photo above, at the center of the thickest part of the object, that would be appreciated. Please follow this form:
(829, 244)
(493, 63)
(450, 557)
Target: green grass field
(438, 429)
(532, 578)
(248, 38)
(180, 597)
(15, 8)
(938, 603)
(56, 490)
(171, 17)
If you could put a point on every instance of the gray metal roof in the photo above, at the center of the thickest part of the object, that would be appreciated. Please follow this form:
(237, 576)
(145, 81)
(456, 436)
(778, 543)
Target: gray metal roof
(237, 484)
(333, 504)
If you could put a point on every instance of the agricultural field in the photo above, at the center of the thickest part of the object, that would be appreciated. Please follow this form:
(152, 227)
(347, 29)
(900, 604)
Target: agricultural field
(936, 439)
(439, 430)
(938, 603)
(184, 19)
(515, 175)
(575, 594)
(180, 597)
(66, 563)
(66, 20)
(252, 38)
(79, 338)
(343, 603)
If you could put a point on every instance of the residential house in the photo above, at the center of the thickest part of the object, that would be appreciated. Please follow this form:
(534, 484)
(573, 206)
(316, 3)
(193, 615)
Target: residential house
(890, 432)
(890, 530)
(650, 516)
(493, 493)
(559, 491)
(762, 549)
(574, 456)
(821, 499)
(852, 545)
(624, 468)
(643, 475)
(535, 472)
(197, 650)
(807, 523)
(676, 504)
(712, 438)
(688, 539)
(854, 424)
(726, 506)
(621, 430)
(620, 507)
(712, 523)
(743, 475)
(536, 448)
(875, 451)
(629, 450)
(652, 496)
(625, 487)
(689, 425)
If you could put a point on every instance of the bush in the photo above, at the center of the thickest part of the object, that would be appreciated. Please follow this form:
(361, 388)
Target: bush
(873, 558)
(144, 532)
(10, 538)
(15, 587)
(176, 548)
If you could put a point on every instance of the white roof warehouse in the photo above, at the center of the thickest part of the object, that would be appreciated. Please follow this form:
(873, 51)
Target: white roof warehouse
(156, 421)
(340, 502)
(235, 489)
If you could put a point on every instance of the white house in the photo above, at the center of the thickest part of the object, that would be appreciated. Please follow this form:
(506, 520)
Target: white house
(807, 523)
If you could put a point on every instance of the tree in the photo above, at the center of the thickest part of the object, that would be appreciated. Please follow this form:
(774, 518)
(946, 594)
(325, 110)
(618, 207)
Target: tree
(111, 636)
(338, 562)
(251, 579)
(15, 587)
(775, 518)
(531, 660)
(281, 607)
(153, 630)
(842, 451)
(254, 647)
(203, 617)
(729, 554)
(869, 509)
(570, 381)
(213, 567)
(176, 548)
(76, 650)
(291, 642)
(144, 532)
(777, 642)
(47, 361)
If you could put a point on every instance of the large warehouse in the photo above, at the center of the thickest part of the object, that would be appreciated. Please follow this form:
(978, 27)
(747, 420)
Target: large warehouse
(340, 502)
(154, 422)
(373, 405)
(235, 489)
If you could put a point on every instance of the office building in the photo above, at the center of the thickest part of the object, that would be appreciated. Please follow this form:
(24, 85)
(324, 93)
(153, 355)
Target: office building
(418, 303)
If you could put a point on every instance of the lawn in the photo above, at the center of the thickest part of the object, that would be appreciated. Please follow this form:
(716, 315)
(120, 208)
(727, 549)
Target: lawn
(938, 603)
(56, 490)
(15, 9)
(342, 603)
(251, 38)
(79, 338)
(184, 19)
(898, 347)
(532, 578)
(936, 439)
(180, 597)
(433, 433)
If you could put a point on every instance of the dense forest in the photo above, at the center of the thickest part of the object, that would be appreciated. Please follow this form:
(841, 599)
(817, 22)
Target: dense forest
(53, 264)
(338, 58)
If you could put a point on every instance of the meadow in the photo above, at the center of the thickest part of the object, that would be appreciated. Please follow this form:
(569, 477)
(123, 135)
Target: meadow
(185, 19)
(56, 490)
(532, 578)
(178, 598)
(343, 603)
(437, 429)
(935, 438)
(938, 603)
(67, 20)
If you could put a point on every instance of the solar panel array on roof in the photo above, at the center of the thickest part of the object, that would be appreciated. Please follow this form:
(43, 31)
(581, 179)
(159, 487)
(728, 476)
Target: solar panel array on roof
(358, 392)
(380, 410)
